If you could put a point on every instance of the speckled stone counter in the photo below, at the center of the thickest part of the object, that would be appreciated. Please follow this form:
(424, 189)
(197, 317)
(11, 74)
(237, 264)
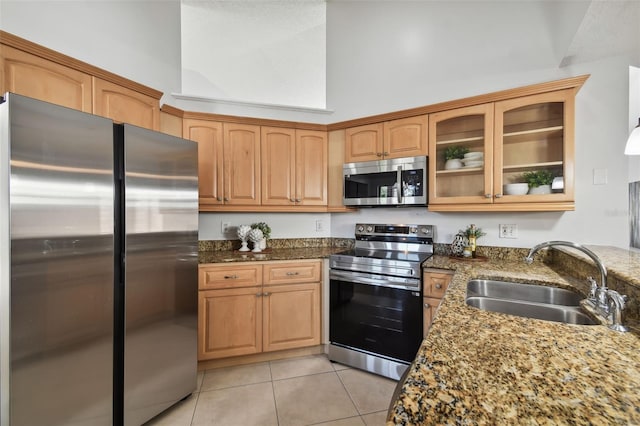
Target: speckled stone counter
(480, 367)
(223, 251)
(223, 256)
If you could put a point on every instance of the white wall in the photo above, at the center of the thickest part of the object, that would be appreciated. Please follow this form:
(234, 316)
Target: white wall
(634, 116)
(139, 40)
(283, 225)
(277, 54)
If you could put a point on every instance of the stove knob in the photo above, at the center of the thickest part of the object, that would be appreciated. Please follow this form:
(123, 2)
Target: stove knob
(360, 228)
(369, 228)
(425, 230)
(413, 230)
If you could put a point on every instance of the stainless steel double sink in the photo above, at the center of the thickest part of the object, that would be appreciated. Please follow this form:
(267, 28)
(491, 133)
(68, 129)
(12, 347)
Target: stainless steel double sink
(528, 300)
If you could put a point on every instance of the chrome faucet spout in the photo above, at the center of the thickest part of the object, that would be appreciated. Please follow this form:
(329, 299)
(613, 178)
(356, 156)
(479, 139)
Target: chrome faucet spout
(592, 255)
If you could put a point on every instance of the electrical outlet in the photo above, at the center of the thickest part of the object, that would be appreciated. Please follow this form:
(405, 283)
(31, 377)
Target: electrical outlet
(225, 227)
(319, 225)
(508, 231)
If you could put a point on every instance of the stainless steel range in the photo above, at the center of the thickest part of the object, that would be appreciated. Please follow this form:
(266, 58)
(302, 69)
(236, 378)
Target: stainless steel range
(375, 313)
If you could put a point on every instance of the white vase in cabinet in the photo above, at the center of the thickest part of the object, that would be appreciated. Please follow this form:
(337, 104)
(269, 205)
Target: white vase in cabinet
(454, 163)
(539, 190)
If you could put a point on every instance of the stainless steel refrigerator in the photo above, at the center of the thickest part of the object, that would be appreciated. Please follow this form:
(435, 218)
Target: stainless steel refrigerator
(98, 268)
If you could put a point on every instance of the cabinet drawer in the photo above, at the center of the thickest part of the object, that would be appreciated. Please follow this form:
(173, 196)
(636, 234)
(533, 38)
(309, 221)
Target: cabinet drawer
(294, 272)
(228, 276)
(435, 283)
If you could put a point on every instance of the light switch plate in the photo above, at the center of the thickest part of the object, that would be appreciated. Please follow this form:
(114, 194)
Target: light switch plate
(599, 176)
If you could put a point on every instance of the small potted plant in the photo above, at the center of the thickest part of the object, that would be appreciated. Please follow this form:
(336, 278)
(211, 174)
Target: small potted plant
(453, 156)
(539, 181)
(266, 232)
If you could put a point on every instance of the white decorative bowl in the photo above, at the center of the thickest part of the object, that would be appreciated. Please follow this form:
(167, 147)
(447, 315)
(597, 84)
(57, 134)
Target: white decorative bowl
(474, 155)
(516, 188)
(473, 163)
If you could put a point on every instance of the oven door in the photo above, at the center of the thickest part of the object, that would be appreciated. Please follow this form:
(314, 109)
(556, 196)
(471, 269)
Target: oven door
(374, 318)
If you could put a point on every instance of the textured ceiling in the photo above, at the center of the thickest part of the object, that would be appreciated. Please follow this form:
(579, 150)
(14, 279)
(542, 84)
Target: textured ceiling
(609, 28)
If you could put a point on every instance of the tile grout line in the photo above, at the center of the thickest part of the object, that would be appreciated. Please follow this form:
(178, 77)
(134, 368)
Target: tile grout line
(273, 392)
(350, 397)
(195, 407)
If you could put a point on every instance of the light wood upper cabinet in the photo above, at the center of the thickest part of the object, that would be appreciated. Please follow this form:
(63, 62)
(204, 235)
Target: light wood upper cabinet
(241, 164)
(278, 157)
(363, 143)
(294, 167)
(171, 120)
(208, 135)
(406, 137)
(311, 168)
(228, 162)
(471, 128)
(535, 133)
(33, 76)
(124, 105)
(514, 136)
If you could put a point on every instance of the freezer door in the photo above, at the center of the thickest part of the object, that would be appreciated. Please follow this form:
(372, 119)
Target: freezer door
(161, 281)
(56, 292)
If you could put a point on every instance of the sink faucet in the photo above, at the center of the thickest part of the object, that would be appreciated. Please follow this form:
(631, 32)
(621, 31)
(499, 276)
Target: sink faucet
(608, 302)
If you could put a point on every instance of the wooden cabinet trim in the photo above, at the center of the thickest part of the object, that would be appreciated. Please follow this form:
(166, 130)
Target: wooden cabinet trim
(574, 83)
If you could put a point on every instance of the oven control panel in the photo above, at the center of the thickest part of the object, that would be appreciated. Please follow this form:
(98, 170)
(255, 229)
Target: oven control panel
(402, 230)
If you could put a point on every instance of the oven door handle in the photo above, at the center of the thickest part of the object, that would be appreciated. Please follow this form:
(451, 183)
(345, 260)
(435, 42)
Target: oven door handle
(383, 281)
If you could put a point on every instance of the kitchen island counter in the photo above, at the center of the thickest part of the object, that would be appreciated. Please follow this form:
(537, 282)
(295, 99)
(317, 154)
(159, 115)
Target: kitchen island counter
(480, 367)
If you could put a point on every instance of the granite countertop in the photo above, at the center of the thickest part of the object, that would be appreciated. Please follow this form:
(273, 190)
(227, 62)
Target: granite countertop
(225, 256)
(480, 367)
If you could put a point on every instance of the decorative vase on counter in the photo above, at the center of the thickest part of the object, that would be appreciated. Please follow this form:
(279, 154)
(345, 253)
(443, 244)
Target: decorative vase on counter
(255, 236)
(263, 244)
(538, 190)
(243, 235)
(459, 243)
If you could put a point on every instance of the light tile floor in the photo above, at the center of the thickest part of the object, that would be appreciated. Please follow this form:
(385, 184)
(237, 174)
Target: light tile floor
(299, 391)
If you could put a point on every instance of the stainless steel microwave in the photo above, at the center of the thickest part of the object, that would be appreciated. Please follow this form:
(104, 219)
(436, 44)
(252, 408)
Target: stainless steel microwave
(392, 183)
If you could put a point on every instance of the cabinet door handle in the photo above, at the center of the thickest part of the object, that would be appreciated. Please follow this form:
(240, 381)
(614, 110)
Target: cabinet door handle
(498, 195)
(231, 277)
(293, 273)
(219, 198)
(298, 200)
(258, 294)
(438, 286)
(385, 154)
(266, 294)
(293, 200)
(487, 195)
(426, 305)
(379, 154)
(226, 198)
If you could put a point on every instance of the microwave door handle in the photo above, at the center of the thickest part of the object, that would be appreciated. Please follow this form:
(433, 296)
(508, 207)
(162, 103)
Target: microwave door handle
(399, 183)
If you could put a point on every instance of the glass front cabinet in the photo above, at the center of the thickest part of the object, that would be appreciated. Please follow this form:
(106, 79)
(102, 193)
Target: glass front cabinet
(511, 155)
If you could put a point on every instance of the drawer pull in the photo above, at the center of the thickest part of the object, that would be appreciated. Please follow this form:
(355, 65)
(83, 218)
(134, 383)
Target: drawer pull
(266, 294)
(258, 294)
(231, 277)
(438, 286)
(289, 274)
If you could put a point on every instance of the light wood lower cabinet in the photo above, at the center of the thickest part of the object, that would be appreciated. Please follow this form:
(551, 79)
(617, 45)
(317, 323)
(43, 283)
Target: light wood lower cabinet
(434, 284)
(258, 307)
